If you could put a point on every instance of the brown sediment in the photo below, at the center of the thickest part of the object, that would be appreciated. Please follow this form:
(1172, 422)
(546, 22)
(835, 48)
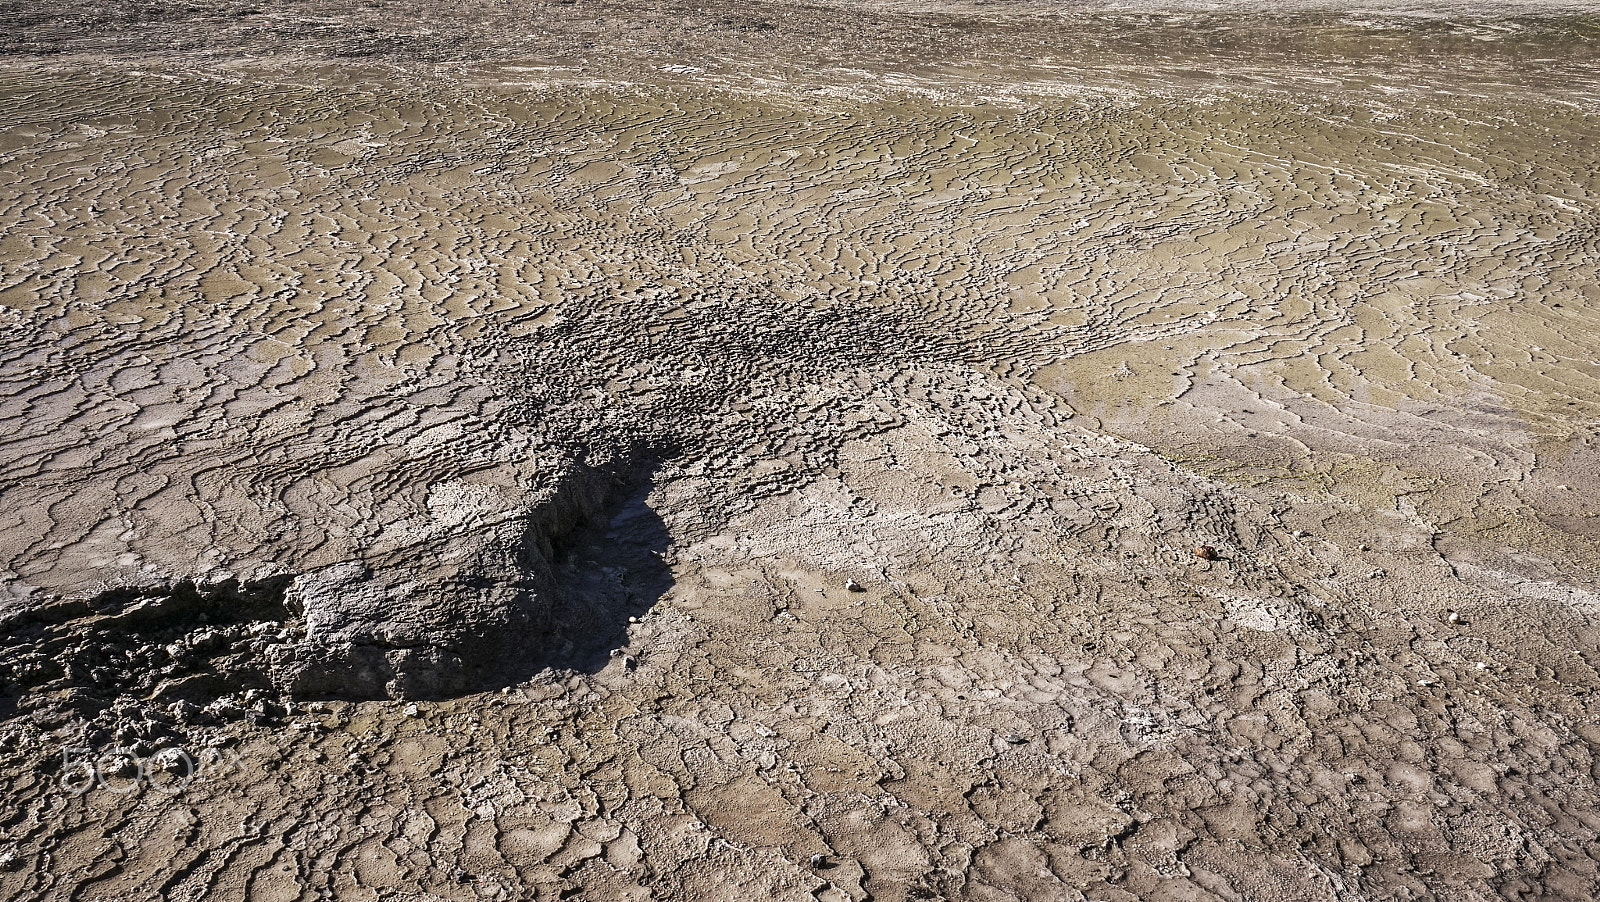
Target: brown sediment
(1095, 475)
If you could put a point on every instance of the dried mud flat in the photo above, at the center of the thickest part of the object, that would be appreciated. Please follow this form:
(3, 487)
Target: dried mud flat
(844, 452)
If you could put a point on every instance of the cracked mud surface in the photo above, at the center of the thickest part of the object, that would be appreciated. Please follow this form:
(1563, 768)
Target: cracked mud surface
(623, 451)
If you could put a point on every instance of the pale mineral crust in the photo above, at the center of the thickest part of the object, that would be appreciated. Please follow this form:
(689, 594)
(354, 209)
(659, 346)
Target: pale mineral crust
(896, 451)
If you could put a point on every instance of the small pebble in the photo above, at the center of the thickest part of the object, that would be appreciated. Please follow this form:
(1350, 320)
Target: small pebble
(854, 586)
(174, 761)
(1205, 553)
(412, 710)
(1016, 739)
(819, 861)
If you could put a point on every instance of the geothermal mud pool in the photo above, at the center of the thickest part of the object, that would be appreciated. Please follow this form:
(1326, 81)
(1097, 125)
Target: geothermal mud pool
(839, 453)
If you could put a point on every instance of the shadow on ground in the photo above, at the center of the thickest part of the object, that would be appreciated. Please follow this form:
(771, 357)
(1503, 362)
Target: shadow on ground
(607, 571)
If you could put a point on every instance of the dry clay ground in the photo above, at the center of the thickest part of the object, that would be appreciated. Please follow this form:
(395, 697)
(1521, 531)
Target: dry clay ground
(506, 481)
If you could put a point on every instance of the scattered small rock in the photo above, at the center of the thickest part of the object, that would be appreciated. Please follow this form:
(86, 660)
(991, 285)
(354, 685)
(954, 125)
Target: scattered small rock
(1016, 739)
(184, 711)
(819, 861)
(462, 876)
(854, 586)
(412, 710)
(10, 861)
(1205, 553)
(174, 761)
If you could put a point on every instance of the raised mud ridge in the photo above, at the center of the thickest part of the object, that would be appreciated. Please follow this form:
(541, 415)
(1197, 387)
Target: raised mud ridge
(402, 627)
(418, 628)
(166, 641)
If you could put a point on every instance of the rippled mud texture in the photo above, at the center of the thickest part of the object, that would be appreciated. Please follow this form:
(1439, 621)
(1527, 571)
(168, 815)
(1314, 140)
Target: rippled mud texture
(466, 462)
